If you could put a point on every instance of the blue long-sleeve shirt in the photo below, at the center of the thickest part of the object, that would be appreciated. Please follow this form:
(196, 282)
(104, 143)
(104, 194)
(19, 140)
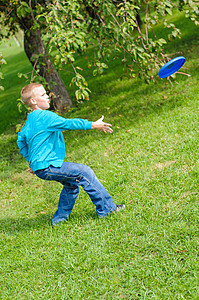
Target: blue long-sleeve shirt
(41, 140)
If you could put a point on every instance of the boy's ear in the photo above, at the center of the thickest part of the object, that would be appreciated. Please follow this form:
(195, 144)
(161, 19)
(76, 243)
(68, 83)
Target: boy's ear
(33, 101)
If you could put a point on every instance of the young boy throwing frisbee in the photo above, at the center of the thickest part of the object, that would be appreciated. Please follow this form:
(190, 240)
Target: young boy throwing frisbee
(42, 144)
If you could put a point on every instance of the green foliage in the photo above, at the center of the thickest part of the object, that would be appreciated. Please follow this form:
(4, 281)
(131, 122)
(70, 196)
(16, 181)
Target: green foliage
(70, 28)
(23, 10)
(104, 26)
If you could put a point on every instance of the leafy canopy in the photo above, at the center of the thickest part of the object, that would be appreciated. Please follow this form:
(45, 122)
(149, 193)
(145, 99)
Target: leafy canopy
(120, 28)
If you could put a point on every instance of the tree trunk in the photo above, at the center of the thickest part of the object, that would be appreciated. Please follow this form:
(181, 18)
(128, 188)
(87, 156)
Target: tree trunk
(35, 51)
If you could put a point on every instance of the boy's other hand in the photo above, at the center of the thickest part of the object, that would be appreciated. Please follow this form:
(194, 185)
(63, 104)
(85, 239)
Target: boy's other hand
(30, 170)
(100, 125)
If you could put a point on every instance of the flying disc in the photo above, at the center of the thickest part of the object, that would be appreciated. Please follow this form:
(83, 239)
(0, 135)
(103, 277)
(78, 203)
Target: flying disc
(171, 67)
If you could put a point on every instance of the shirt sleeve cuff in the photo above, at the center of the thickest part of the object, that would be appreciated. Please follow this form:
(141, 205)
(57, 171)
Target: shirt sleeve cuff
(89, 125)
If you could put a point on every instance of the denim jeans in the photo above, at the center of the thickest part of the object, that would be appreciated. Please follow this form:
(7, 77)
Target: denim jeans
(72, 176)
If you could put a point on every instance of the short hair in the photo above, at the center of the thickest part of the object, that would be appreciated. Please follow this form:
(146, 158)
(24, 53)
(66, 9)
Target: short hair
(28, 92)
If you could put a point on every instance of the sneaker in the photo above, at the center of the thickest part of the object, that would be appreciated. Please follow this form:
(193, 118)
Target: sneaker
(119, 207)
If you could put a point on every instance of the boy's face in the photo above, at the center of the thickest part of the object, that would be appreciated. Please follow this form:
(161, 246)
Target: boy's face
(40, 99)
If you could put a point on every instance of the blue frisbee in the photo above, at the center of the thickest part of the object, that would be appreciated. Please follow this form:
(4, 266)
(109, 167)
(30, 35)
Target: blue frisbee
(171, 67)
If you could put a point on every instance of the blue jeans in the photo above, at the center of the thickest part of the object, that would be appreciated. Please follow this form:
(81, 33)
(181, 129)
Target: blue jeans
(72, 176)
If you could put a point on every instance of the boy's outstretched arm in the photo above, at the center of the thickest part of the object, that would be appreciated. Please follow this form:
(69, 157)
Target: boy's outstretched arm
(100, 125)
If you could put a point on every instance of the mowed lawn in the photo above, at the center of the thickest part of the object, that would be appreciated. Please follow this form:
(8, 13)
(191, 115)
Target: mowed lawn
(150, 163)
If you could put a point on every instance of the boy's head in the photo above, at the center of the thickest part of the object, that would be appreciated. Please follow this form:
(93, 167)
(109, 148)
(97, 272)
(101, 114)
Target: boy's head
(34, 96)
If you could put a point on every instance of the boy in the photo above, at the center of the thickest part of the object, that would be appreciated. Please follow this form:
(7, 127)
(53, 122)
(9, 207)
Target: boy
(42, 144)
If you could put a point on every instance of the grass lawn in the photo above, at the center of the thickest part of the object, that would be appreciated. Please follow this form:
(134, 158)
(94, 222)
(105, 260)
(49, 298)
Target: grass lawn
(150, 163)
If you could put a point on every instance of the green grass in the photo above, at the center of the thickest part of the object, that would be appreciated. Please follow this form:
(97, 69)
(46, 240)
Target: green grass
(150, 163)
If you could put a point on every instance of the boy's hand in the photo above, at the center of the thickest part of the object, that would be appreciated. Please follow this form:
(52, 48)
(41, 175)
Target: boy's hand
(30, 170)
(100, 125)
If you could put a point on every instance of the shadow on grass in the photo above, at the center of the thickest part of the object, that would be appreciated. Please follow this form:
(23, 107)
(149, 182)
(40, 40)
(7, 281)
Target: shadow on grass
(14, 225)
(11, 226)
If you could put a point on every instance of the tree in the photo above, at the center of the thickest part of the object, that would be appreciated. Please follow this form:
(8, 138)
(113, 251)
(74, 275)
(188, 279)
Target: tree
(21, 14)
(110, 27)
